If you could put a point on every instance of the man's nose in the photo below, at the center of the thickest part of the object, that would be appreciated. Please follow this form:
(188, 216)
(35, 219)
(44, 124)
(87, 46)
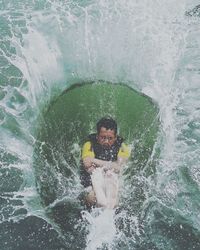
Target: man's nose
(106, 140)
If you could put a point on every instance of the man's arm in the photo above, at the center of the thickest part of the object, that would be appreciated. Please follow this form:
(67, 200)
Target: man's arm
(87, 155)
(91, 163)
(109, 165)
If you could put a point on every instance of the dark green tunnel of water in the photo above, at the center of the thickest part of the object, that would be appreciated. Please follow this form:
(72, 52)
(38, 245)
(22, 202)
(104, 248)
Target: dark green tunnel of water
(73, 115)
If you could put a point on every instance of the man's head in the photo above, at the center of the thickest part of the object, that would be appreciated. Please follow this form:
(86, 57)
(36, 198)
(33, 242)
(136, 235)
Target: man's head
(106, 131)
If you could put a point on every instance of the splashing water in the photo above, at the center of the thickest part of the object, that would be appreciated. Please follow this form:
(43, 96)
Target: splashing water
(45, 47)
(102, 229)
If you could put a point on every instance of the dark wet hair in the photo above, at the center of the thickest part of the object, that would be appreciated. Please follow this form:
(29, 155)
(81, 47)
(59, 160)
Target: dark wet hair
(108, 123)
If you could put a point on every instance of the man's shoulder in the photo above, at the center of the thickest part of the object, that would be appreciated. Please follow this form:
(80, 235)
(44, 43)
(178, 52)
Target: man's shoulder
(125, 150)
(124, 146)
(91, 138)
(87, 144)
(87, 150)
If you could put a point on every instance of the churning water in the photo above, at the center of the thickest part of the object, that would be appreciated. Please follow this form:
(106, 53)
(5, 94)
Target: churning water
(152, 46)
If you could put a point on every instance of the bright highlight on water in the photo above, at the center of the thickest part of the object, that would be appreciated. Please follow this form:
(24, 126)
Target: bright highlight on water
(140, 59)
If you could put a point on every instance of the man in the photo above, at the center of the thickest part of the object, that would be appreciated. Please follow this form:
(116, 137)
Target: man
(103, 156)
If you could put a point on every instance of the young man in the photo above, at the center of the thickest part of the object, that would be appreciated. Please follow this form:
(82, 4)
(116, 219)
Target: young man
(103, 156)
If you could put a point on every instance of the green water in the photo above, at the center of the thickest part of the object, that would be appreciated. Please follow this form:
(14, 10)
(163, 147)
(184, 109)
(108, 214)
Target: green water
(46, 47)
(64, 127)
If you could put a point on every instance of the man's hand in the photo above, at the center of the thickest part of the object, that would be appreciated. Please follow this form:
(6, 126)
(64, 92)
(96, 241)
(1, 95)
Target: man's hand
(89, 164)
(91, 168)
(107, 166)
(112, 167)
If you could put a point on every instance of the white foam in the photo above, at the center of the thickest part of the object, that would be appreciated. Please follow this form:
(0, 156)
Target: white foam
(102, 229)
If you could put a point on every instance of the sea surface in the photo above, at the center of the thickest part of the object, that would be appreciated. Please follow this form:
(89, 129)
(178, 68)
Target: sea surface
(152, 46)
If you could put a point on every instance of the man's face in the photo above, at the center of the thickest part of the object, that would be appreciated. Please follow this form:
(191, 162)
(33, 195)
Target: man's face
(106, 137)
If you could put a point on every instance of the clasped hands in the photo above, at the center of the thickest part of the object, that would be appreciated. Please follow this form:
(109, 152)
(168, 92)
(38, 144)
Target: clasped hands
(107, 166)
